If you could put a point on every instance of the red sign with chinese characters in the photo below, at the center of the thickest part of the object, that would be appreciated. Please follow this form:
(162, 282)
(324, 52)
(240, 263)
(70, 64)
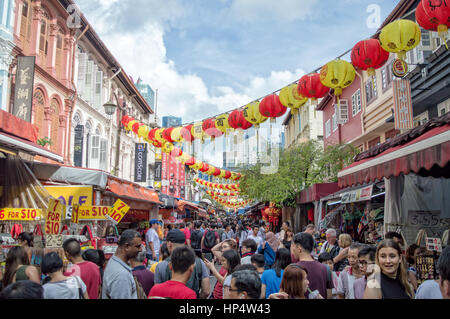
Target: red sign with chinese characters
(172, 177)
(403, 113)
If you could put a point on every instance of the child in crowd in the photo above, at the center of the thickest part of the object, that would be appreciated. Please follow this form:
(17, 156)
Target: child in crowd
(325, 258)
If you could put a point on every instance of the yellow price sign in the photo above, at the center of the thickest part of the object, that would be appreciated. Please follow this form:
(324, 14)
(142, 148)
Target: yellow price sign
(53, 217)
(117, 212)
(93, 212)
(75, 214)
(20, 214)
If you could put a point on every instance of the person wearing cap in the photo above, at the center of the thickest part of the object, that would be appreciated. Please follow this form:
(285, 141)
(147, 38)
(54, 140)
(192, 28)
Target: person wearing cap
(199, 279)
(152, 241)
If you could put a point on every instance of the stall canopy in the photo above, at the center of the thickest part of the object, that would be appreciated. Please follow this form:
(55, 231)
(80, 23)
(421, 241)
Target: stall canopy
(424, 150)
(316, 191)
(131, 190)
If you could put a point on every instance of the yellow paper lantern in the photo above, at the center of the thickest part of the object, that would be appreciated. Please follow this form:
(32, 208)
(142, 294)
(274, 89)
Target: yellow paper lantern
(337, 74)
(253, 115)
(176, 134)
(197, 131)
(290, 97)
(222, 123)
(211, 170)
(196, 166)
(159, 137)
(222, 173)
(400, 36)
(130, 124)
(143, 131)
(167, 147)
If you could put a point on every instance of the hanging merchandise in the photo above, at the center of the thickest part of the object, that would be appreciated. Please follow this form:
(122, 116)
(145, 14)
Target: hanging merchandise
(290, 97)
(399, 37)
(337, 74)
(434, 16)
(368, 55)
(270, 106)
(310, 86)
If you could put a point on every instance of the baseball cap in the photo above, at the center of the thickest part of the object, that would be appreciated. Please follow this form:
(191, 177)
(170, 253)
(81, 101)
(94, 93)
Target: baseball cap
(176, 236)
(153, 221)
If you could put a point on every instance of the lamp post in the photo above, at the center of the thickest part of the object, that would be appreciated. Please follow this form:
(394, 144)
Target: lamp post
(110, 109)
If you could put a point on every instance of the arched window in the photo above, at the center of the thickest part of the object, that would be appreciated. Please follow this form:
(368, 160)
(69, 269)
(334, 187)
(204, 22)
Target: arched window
(25, 25)
(38, 105)
(54, 107)
(59, 55)
(43, 37)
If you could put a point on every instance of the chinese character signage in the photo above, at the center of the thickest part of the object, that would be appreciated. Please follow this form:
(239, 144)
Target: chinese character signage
(173, 177)
(403, 113)
(357, 195)
(78, 146)
(140, 163)
(23, 97)
(158, 166)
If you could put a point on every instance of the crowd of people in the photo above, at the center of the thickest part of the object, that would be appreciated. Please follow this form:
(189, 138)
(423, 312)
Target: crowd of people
(244, 260)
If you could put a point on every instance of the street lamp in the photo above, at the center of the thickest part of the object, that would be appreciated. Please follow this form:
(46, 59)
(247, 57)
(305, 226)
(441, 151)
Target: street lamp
(110, 108)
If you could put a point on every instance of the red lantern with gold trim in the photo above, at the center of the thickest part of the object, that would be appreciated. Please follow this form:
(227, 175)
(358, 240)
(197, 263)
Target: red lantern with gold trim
(216, 172)
(166, 134)
(136, 127)
(205, 168)
(368, 55)
(237, 120)
(190, 161)
(434, 15)
(227, 174)
(310, 86)
(186, 133)
(126, 119)
(270, 106)
(209, 127)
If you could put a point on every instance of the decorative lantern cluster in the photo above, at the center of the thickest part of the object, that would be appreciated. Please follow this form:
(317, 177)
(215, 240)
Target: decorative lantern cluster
(434, 16)
(231, 187)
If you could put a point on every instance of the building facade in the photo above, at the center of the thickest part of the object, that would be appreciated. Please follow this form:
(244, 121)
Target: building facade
(303, 125)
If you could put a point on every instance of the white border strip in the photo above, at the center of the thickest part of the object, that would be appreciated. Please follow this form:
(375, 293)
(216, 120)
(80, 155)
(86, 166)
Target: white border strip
(429, 142)
(30, 148)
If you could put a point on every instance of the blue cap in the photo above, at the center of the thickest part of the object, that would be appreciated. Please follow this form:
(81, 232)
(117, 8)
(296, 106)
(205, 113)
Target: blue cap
(154, 221)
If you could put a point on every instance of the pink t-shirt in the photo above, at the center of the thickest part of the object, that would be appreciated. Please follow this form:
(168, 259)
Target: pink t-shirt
(90, 274)
(218, 289)
(173, 290)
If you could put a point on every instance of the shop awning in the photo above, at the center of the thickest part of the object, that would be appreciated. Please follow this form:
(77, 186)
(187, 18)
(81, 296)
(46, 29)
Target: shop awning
(19, 144)
(131, 190)
(316, 191)
(183, 204)
(421, 152)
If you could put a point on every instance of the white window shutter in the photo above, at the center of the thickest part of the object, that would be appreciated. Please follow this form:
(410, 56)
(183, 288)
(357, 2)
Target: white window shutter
(95, 151)
(82, 59)
(98, 102)
(87, 96)
(103, 154)
(343, 112)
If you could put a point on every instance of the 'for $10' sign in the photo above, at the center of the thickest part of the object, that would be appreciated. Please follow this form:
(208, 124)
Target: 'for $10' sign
(53, 217)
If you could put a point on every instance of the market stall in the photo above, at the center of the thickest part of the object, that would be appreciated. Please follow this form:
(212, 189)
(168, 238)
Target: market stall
(415, 167)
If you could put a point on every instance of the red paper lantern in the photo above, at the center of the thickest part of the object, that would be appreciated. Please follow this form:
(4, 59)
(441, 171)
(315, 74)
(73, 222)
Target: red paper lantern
(209, 127)
(204, 168)
(237, 120)
(227, 174)
(190, 161)
(126, 119)
(270, 106)
(176, 152)
(310, 86)
(186, 133)
(368, 55)
(136, 126)
(434, 15)
(216, 172)
(166, 134)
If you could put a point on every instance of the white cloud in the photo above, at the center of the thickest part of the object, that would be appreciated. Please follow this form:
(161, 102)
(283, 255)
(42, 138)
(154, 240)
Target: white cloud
(269, 10)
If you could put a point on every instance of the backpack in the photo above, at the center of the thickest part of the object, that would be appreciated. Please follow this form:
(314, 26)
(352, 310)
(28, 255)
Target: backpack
(196, 239)
(210, 239)
(139, 290)
(194, 280)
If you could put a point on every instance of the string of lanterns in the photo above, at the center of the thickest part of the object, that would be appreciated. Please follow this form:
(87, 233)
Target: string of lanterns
(231, 187)
(219, 194)
(397, 37)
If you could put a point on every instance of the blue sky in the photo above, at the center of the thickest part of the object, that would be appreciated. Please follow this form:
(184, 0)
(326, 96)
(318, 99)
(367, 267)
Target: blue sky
(210, 56)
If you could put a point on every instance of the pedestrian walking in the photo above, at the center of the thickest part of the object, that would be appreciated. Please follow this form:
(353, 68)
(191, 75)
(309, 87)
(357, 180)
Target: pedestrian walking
(118, 280)
(271, 278)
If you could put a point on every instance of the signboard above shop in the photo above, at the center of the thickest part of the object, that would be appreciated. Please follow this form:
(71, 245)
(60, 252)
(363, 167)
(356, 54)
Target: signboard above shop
(357, 195)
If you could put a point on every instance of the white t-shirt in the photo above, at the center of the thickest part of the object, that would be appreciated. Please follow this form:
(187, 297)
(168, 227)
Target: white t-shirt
(152, 237)
(257, 239)
(226, 283)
